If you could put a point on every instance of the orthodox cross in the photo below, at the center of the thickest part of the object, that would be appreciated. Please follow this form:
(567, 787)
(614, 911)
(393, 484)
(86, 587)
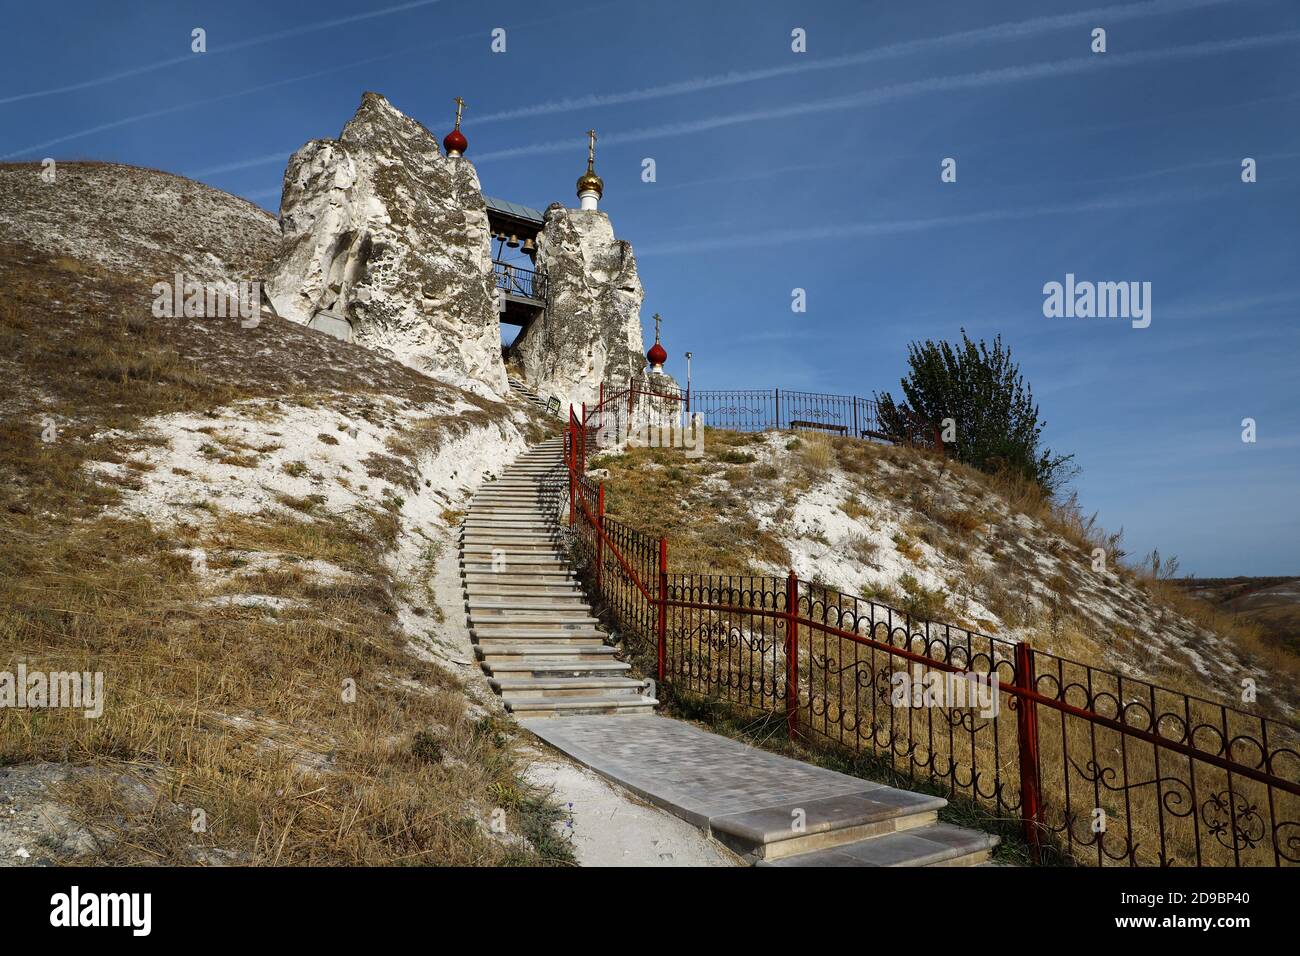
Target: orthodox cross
(657, 320)
(591, 149)
(460, 105)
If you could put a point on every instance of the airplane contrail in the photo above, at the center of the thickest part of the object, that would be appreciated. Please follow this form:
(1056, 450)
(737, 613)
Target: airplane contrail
(779, 237)
(1002, 31)
(339, 68)
(280, 157)
(207, 101)
(222, 48)
(938, 84)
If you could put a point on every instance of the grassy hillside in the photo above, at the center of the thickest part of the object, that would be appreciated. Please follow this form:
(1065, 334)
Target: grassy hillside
(248, 532)
(944, 543)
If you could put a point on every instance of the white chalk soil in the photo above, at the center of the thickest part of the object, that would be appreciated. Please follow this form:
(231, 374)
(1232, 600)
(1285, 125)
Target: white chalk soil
(607, 826)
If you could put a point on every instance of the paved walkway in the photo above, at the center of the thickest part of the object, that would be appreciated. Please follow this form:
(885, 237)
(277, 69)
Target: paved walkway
(770, 809)
(693, 773)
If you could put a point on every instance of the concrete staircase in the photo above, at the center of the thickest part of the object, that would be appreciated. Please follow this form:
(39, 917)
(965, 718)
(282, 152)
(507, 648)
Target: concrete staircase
(532, 628)
(525, 392)
(539, 643)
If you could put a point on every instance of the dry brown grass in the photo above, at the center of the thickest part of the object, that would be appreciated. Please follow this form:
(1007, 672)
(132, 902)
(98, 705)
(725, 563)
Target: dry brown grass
(237, 710)
(659, 488)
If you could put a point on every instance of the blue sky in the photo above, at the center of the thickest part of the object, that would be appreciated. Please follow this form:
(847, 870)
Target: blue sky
(820, 170)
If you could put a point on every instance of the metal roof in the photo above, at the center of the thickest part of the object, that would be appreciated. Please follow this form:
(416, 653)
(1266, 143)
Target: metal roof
(507, 208)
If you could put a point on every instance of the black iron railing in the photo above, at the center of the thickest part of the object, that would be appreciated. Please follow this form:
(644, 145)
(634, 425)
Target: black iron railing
(516, 280)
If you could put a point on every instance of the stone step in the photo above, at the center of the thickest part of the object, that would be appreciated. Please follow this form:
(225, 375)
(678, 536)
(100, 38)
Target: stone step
(768, 834)
(506, 516)
(516, 632)
(519, 564)
(565, 686)
(513, 650)
(520, 549)
(567, 615)
(485, 554)
(547, 667)
(508, 578)
(512, 521)
(573, 706)
(490, 632)
(517, 538)
(539, 530)
(537, 550)
(524, 517)
(530, 503)
(520, 485)
(522, 530)
(524, 506)
(565, 603)
(553, 639)
(524, 589)
(938, 844)
(480, 593)
(550, 624)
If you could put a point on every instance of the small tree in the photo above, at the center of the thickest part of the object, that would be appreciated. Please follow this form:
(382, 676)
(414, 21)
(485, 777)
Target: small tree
(996, 423)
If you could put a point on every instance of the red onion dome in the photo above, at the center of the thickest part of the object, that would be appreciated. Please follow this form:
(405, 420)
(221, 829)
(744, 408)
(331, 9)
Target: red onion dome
(657, 355)
(455, 142)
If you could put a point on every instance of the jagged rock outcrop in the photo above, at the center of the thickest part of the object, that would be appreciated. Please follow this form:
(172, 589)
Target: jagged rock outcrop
(384, 230)
(592, 327)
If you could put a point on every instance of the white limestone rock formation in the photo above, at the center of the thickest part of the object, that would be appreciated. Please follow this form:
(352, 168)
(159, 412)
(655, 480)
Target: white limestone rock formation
(592, 327)
(383, 230)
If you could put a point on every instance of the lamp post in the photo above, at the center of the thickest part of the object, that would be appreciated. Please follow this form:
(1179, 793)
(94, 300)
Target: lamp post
(688, 382)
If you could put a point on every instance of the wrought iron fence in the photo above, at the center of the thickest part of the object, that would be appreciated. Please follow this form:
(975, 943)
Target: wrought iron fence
(516, 280)
(1099, 767)
(760, 409)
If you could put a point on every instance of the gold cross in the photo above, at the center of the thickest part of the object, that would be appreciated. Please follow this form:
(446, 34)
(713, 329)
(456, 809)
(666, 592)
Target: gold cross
(460, 105)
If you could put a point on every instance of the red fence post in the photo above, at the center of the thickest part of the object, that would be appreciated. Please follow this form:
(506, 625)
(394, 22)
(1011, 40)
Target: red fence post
(792, 655)
(583, 427)
(573, 465)
(600, 528)
(1031, 811)
(661, 627)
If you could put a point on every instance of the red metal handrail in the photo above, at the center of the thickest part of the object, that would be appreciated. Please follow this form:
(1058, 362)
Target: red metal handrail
(599, 526)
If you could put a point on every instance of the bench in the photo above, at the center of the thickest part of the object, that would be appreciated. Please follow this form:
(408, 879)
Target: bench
(824, 426)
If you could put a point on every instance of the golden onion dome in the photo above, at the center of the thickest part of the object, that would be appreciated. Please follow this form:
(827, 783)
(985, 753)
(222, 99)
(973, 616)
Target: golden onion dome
(590, 182)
